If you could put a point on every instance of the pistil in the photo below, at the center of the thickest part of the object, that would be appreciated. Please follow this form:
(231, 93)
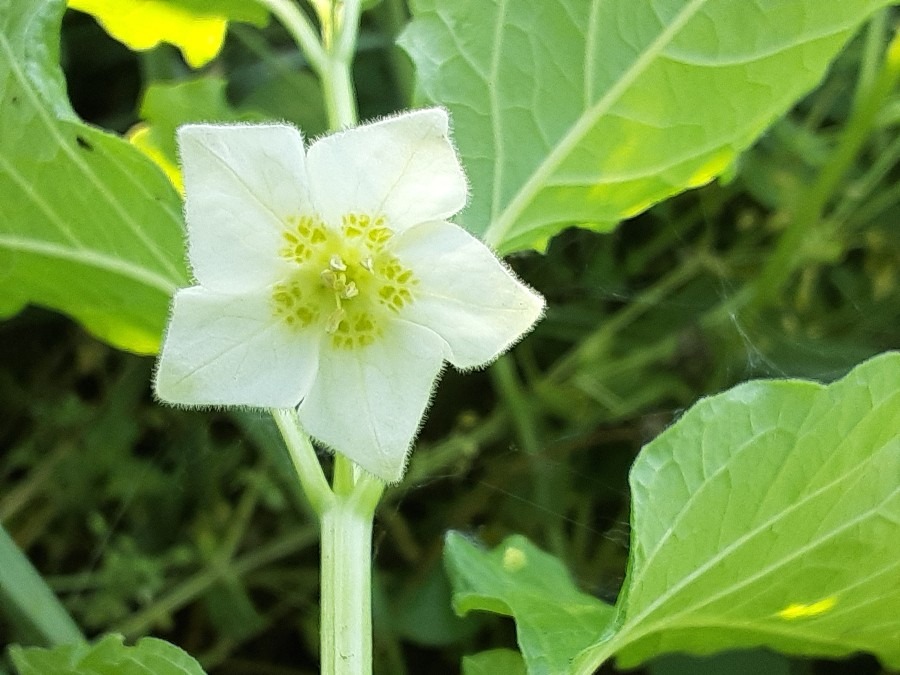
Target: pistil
(335, 278)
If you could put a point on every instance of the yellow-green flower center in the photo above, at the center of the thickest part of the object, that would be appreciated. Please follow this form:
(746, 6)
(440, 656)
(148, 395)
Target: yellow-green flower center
(344, 279)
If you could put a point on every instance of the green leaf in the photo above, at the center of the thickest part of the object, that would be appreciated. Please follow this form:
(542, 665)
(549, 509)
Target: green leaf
(108, 656)
(167, 105)
(554, 620)
(494, 662)
(768, 516)
(23, 588)
(88, 225)
(588, 112)
(196, 27)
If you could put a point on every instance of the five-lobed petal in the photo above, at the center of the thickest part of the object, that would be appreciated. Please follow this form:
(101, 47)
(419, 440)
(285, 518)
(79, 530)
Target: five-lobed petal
(328, 279)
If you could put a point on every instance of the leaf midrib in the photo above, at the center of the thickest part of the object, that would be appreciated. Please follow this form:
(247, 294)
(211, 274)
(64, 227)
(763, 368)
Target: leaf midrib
(496, 232)
(91, 258)
(740, 542)
(51, 124)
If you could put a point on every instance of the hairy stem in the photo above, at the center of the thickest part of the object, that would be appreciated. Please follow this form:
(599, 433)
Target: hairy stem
(346, 630)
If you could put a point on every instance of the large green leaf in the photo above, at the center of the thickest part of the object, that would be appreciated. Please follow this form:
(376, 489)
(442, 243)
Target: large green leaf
(108, 656)
(88, 225)
(588, 111)
(554, 620)
(769, 516)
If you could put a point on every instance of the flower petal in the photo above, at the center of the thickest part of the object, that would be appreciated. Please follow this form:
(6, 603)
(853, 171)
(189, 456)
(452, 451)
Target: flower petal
(368, 403)
(242, 182)
(465, 294)
(403, 168)
(229, 350)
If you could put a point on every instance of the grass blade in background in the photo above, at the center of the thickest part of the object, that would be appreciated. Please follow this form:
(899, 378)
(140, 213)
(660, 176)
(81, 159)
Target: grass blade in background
(23, 589)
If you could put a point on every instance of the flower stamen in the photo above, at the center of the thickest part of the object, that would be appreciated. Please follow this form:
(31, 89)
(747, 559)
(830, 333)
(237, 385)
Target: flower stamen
(336, 265)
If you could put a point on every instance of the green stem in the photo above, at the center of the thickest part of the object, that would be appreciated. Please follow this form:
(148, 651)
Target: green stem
(345, 39)
(330, 54)
(303, 456)
(340, 35)
(346, 630)
(346, 511)
(340, 99)
(300, 29)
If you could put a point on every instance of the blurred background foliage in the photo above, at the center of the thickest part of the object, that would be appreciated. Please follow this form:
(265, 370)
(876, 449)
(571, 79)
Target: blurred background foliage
(189, 526)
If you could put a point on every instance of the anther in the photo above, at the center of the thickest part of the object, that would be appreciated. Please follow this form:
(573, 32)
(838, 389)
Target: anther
(337, 264)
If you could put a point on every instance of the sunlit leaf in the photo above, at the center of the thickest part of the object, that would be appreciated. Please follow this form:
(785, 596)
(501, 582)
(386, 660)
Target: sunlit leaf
(587, 112)
(769, 516)
(554, 620)
(196, 27)
(108, 656)
(88, 225)
(142, 137)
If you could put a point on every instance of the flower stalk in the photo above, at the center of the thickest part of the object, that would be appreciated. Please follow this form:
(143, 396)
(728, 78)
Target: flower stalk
(306, 463)
(339, 37)
(345, 511)
(346, 611)
(329, 51)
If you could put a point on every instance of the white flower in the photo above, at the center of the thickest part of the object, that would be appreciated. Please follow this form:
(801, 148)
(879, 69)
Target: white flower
(329, 279)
